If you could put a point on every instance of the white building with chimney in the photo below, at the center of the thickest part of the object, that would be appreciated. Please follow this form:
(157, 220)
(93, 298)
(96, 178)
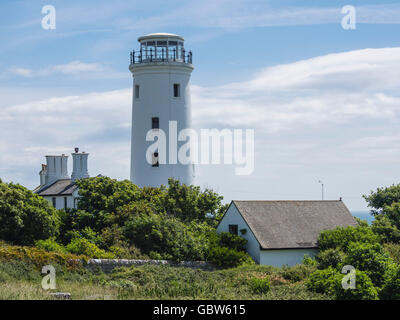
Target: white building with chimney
(161, 71)
(56, 186)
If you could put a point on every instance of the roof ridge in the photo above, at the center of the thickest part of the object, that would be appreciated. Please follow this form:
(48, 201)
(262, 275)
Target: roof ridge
(287, 200)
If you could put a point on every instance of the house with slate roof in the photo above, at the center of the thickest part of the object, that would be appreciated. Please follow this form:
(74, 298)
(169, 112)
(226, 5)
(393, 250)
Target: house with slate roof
(282, 232)
(56, 185)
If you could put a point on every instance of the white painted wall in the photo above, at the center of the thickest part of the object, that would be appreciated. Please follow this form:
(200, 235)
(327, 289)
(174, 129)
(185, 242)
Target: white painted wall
(156, 99)
(60, 201)
(232, 216)
(278, 258)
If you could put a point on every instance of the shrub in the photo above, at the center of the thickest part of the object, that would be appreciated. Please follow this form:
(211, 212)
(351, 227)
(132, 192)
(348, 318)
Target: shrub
(391, 287)
(40, 257)
(308, 261)
(364, 289)
(227, 257)
(330, 258)
(323, 281)
(230, 240)
(50, 245)
(393, 250)
(297, 273)
(340, 237)
(24, 216)
(85, 247)
(370, 258)
(166, 235)
(260, 285)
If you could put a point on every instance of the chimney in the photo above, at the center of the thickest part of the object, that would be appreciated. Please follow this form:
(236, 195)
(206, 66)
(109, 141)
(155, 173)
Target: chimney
(56, 168)
(80, 165)
(42, 175)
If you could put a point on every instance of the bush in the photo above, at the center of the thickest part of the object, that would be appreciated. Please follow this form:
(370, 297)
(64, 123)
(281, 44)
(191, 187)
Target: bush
(370, 258)
(50, 245)
(40, 257)
(260, 285)
(330, 258)
(227, 257)
(229, 240)
(24, 216)
(364, 290)
(393, 250)
(323, 281)
(85, 247)
(308, 261)
(391, 287)
(297, 273)
(168, 236)
(341, 237)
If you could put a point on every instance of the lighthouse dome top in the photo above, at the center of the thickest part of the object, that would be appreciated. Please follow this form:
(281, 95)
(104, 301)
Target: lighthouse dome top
(161, 36)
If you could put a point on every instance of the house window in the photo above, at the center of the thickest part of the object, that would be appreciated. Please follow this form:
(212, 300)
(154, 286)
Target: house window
(137, 87)
(155, 162)
(54, 201)
(155, 123)
(177, 90)
(233, 228)
(65, 203)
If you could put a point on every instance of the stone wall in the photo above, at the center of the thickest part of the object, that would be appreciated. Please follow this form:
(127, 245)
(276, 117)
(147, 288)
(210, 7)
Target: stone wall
(107, 265)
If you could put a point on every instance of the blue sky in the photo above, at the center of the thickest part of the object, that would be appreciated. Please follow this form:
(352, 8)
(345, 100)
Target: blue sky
(324, 101)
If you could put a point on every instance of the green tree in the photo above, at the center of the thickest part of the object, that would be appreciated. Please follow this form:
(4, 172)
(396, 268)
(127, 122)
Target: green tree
(384, 227)
(364, 290)
(341, 237)
(190, 203)
(103, 194)
(391, 288)
(382, 197)
(332, 257)
(24, 216)
(166, 235)
(370, 258)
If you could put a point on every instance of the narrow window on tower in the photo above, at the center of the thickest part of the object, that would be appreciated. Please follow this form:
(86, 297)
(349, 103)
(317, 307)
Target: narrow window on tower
(177, 90)
(54, 201)
(155, 160)
(65, 203)
(155, 123)
(137, 88)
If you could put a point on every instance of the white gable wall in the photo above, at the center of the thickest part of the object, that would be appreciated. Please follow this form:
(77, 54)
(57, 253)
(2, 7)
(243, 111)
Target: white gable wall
(279, 257)
(232, 216)
(60, 201)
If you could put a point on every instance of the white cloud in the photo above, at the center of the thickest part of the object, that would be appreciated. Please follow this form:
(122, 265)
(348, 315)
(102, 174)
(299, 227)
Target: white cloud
(24, 72)
(72, 68)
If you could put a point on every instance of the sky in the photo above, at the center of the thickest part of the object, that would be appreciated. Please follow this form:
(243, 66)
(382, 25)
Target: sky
(323, 101)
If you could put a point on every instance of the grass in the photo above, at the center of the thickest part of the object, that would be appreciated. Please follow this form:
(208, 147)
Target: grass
(22, 280)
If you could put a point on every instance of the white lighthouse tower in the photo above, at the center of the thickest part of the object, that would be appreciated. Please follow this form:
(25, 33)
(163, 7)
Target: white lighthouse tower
(161, 71)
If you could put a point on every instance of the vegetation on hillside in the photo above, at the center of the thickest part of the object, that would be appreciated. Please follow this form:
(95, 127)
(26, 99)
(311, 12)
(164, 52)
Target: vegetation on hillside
(117, 219)
(374, 251)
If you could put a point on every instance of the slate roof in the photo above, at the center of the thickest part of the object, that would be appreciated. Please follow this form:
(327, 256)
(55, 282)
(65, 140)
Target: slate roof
(292, 224)
(62, 187)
